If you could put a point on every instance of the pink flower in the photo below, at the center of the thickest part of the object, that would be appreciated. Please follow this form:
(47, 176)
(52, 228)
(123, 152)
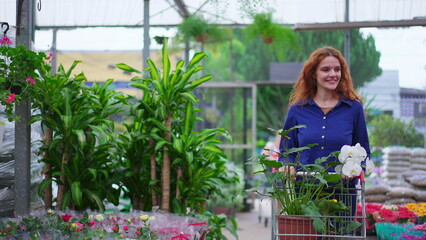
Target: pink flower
(78, 224)
(31, 81)
(114, 228)
(66, 217)
(91, 223)
(11, 98)
(50, 56)
(125, 228)
(5, 40)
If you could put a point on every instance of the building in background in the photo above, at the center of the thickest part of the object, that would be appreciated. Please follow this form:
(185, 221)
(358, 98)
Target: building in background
(384, 92)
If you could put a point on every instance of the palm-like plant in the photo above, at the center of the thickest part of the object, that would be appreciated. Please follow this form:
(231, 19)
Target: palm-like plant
(169, 101)
(77, 150)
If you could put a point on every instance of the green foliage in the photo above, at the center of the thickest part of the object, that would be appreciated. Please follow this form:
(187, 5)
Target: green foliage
(302, 189)
(17, 65)
(197, 163)
(385, 130)
(81, 150)
(281, 41)
(272, 105)
(195, 26)
(216, 224)
(364, 57)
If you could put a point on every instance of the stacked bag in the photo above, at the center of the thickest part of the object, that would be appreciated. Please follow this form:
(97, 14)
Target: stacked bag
(396, 160)
(418, 159)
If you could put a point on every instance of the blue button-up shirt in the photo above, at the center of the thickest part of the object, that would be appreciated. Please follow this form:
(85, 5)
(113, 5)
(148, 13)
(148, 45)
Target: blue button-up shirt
(342, 125)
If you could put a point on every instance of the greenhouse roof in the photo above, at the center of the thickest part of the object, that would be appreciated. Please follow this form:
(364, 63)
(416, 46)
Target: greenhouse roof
(85, 13)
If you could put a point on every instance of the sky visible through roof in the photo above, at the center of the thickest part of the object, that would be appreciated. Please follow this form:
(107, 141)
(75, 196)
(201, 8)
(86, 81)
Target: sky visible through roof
(403, 49)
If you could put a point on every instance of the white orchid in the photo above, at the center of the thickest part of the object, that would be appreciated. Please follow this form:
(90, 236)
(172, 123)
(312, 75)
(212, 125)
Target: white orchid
(352, 158)
(361, 153)
(369, 166)
(346, 152)
(352, 153)
(351, 169)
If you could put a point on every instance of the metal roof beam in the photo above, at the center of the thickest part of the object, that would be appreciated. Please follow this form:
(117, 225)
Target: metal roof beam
(182, 9)
(366, 24)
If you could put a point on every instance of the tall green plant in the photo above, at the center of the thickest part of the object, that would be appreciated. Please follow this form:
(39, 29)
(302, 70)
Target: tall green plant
(77, 150)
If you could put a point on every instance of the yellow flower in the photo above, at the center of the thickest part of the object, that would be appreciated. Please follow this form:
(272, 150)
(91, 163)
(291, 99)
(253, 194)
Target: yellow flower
(333, 200)
(152, 218)
(144, 218)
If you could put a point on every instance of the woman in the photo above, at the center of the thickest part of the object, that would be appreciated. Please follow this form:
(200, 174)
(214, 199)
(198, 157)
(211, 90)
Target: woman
(325, 101)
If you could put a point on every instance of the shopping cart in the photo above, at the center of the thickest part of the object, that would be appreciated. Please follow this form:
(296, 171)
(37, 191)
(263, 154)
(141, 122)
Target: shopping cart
(288, 227)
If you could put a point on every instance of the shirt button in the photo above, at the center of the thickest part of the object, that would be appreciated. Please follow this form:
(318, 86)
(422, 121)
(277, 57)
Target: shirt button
(324, 117)
(323, 127)
(323, 136)
(322, 147)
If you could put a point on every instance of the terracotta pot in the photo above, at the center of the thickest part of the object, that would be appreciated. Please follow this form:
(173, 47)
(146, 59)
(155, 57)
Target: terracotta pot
(267, 40)
(296, 225)
(201, 38)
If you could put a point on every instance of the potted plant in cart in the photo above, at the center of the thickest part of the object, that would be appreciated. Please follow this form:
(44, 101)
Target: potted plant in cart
(304, 194)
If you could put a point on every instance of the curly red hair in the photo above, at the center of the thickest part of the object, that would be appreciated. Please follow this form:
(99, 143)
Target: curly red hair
(305, 87)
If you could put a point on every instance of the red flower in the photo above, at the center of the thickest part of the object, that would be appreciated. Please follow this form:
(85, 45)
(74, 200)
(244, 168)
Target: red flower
(125, 228)
(11, 98)
(114, 228)
(66, 217)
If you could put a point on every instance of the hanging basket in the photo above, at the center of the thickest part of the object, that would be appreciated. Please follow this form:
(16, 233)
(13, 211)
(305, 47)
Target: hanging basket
(267, 39)
(201, 38)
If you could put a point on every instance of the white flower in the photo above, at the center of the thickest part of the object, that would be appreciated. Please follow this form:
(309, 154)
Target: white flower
(338, 169)
(361, 153)
(352, 153)
(346, 152)
(351, 169)
(369, 166)
(99, 217)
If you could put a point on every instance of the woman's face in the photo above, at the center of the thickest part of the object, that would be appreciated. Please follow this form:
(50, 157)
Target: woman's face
(328, 74)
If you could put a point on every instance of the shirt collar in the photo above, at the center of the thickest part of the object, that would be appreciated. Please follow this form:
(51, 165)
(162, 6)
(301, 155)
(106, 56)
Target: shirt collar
(348, 102)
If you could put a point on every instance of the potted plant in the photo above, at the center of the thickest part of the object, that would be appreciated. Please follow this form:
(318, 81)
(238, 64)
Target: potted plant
(196, 27)
(304, 193)
(262, 25)
(18, 76)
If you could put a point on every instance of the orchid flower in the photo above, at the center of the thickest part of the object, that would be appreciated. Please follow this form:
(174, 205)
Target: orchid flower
(351, 169)
(369, 166)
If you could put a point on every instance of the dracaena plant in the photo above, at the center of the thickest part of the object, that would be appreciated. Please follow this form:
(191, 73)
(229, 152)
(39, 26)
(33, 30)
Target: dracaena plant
(19, 76)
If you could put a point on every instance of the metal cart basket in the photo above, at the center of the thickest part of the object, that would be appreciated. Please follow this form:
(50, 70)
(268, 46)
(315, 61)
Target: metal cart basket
(290, 227)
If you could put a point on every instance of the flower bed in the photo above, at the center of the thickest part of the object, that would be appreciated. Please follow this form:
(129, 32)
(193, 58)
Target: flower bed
(397, 222)
(92, 225)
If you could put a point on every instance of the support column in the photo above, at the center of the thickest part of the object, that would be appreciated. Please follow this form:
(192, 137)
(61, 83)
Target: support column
(347, 43)
(22, 152)
(146, 39)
